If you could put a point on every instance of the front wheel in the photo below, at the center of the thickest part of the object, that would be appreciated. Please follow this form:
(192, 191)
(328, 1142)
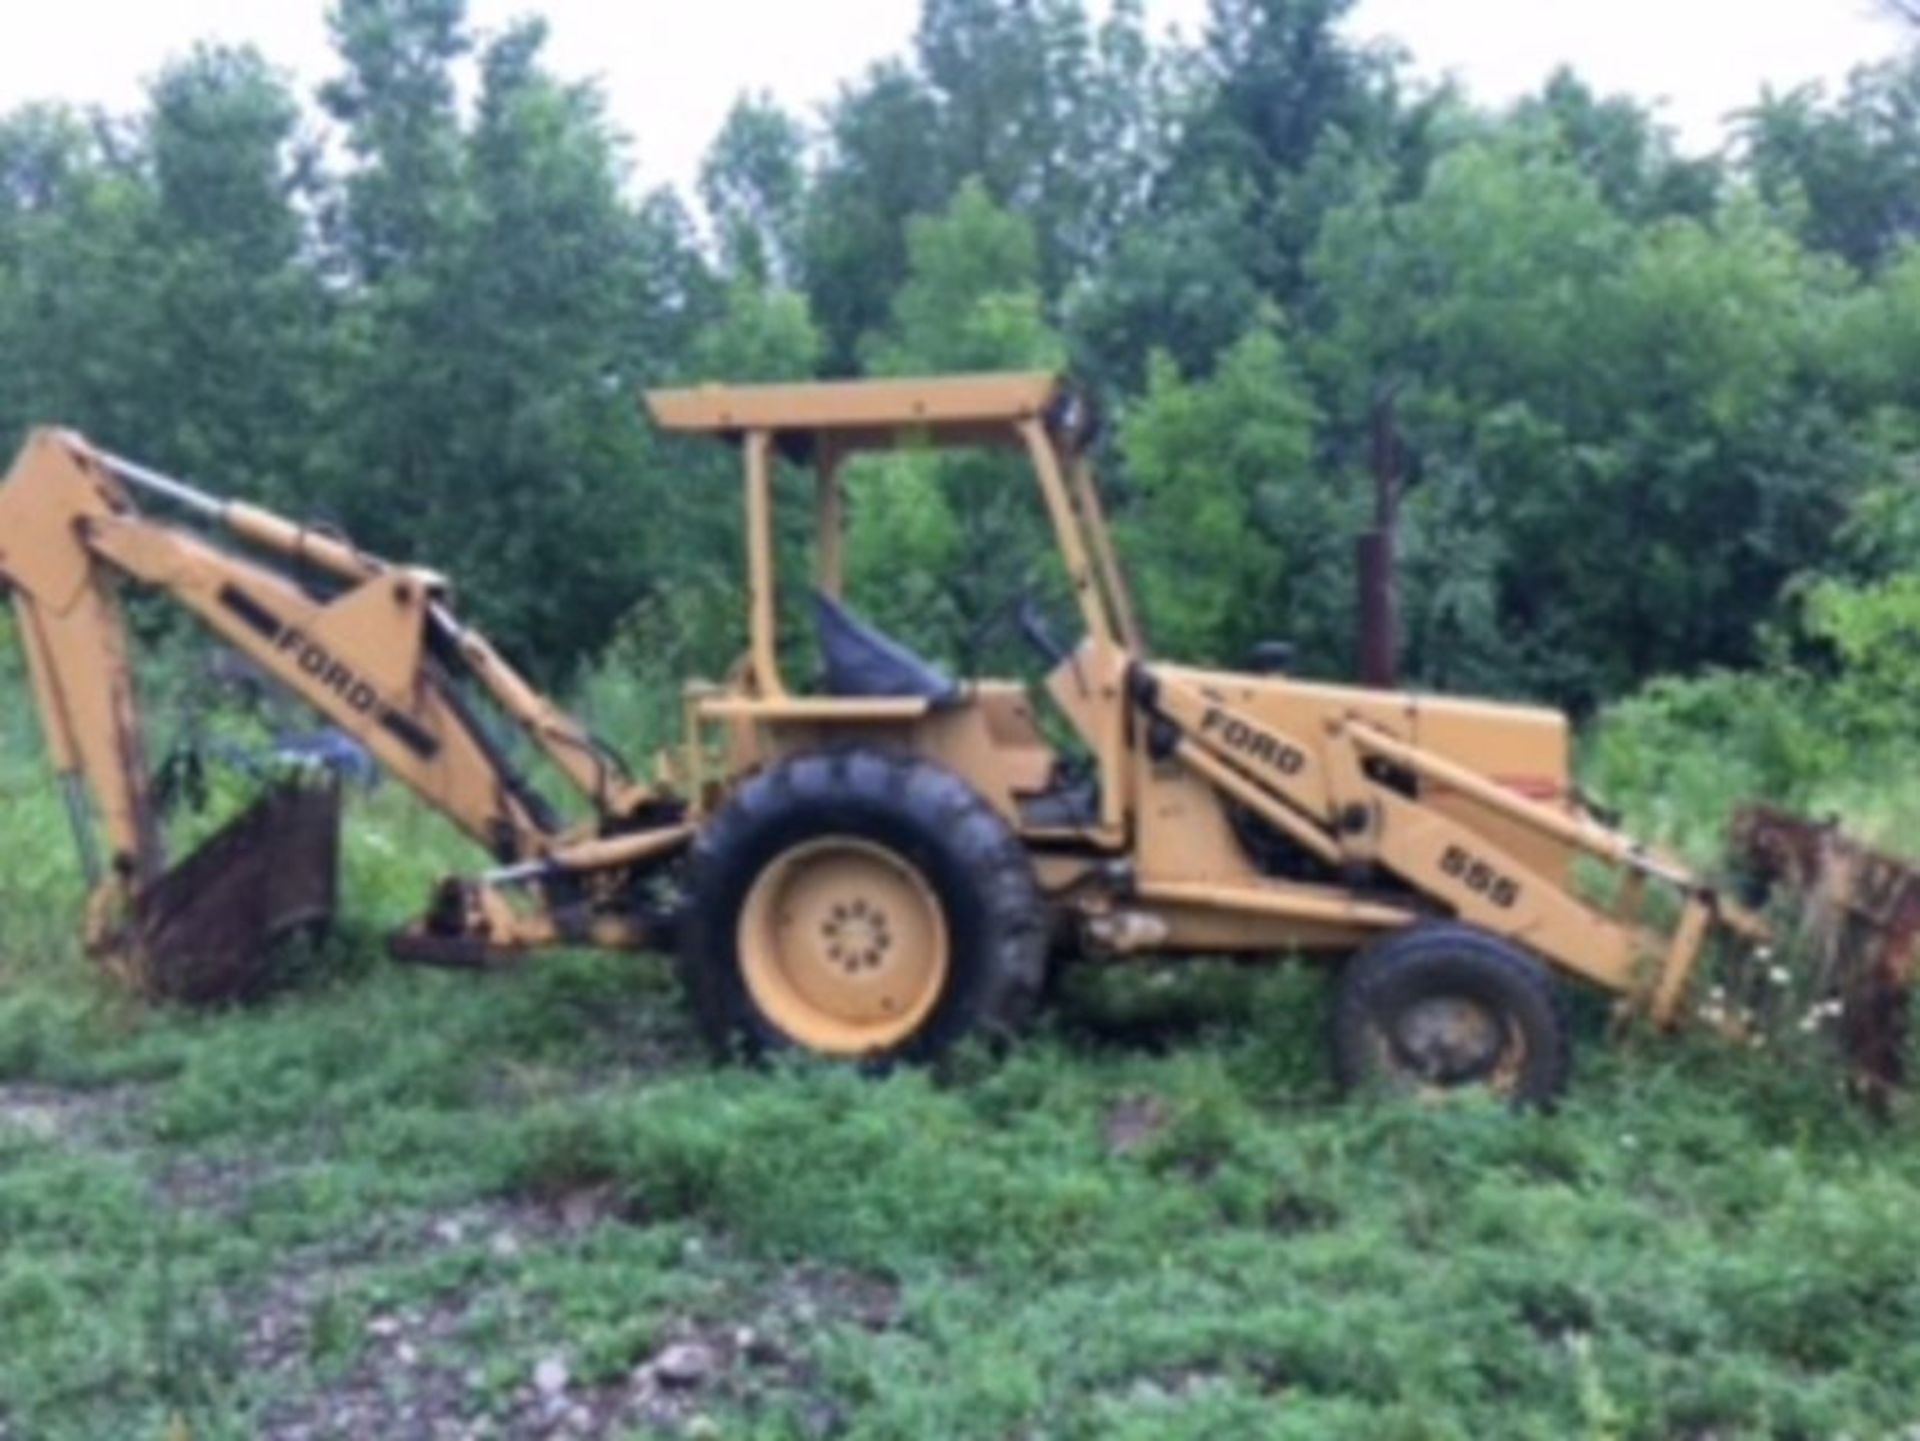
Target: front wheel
(1444, 1008)
(862, 905)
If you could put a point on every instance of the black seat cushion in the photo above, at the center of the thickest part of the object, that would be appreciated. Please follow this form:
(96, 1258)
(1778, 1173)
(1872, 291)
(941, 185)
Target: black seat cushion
(862, 661)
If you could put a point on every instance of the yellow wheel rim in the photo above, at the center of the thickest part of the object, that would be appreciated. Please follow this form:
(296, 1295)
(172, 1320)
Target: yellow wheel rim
(1445, 1045)
(843, 946)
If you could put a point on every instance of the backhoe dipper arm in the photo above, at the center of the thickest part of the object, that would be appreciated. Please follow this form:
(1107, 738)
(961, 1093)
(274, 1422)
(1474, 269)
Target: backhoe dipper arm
(75, 646)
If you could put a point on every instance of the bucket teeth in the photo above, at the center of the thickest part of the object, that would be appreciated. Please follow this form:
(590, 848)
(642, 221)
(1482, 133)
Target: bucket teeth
(1860, 924)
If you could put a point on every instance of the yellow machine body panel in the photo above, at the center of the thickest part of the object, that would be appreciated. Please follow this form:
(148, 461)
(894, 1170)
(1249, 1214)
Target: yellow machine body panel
(1524, 749)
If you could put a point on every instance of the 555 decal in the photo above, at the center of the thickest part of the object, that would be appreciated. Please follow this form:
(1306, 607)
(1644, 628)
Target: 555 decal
(1459, 864)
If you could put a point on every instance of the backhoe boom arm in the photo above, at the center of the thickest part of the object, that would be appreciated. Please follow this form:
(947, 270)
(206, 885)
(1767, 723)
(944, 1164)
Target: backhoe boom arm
(372, 646)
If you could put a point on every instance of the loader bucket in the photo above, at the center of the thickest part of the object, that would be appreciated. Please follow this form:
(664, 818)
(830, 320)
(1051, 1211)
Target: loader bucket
(205, 931)
(1859, 929)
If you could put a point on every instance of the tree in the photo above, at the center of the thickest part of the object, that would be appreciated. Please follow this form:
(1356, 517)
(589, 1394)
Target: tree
(492, 354)
(154, 285)
(881, 166)
(1622, 432)
(1463, 303)
(1059, 120)
(240, 317)
(1234, 537)
(1177, 283)
(1254, 137)
(1480, 285)
(1845, 175)
(396, 103)
(1283, 78)
(754, 183)
(75, 214)
(1054, 116)
(1616, 143)
(971, 301)
(1285, 115)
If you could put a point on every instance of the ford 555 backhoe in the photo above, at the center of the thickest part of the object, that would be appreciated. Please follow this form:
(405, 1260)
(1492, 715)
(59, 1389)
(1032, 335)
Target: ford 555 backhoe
(887, 861)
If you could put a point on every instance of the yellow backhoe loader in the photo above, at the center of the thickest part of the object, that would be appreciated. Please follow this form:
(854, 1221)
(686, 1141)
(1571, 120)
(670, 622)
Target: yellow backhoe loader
(884, 862)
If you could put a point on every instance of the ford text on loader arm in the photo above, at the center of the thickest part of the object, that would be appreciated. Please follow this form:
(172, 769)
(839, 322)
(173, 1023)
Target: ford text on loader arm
(888, 858)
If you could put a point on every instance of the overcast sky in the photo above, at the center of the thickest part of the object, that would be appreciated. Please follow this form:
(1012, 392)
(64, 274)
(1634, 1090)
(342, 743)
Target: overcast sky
(671, 68)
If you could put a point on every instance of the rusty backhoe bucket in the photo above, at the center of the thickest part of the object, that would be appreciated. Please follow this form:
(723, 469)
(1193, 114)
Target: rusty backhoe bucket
(205, 931)
(1859, 925)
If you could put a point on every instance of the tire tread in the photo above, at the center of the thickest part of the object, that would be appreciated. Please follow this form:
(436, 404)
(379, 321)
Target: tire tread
(1516, 970)
(933, 802)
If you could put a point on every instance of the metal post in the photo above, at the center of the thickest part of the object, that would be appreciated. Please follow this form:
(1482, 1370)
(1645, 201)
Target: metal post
(830, 508)
(1376, 556)
(762, 611)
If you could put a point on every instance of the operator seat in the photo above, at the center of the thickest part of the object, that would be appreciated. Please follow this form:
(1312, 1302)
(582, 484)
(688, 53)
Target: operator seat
(860, 660)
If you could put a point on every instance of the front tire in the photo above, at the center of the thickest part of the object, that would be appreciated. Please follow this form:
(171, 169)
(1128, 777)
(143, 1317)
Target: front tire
(860, 905)
(1444, 1008)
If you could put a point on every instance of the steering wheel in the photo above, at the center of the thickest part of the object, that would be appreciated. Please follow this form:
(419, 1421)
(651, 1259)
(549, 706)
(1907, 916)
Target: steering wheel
(1035, 629)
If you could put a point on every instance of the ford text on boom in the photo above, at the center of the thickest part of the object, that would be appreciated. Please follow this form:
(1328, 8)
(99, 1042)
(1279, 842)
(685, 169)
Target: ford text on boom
(1250, 740)
(319, 662)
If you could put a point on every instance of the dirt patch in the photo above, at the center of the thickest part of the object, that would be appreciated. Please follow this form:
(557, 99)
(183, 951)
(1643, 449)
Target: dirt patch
(809, 1295)
(410, 1371)
(1132, 1122)
(106, 1122)
(217, 1185)
(335, 1354)
(71, 1118)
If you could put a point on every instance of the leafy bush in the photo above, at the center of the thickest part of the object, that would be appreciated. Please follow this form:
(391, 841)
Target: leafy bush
(1825, 728)
(1873, 632)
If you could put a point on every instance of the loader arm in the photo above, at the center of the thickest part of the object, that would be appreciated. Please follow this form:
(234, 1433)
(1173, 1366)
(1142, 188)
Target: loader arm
(372, 646)
(1355, 798)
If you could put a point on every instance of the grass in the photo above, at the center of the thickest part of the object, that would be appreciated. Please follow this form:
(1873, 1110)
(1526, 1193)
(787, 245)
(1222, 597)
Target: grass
(387, 1197)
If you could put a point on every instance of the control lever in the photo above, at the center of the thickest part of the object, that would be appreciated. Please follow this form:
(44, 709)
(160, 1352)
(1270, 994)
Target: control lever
(1033, 625)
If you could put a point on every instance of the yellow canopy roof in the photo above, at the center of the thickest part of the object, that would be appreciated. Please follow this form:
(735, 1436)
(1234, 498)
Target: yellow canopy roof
(961, 409)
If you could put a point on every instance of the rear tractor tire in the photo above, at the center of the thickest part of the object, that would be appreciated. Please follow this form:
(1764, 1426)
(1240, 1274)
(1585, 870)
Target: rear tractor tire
(860, 905)
(1445, 1008)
